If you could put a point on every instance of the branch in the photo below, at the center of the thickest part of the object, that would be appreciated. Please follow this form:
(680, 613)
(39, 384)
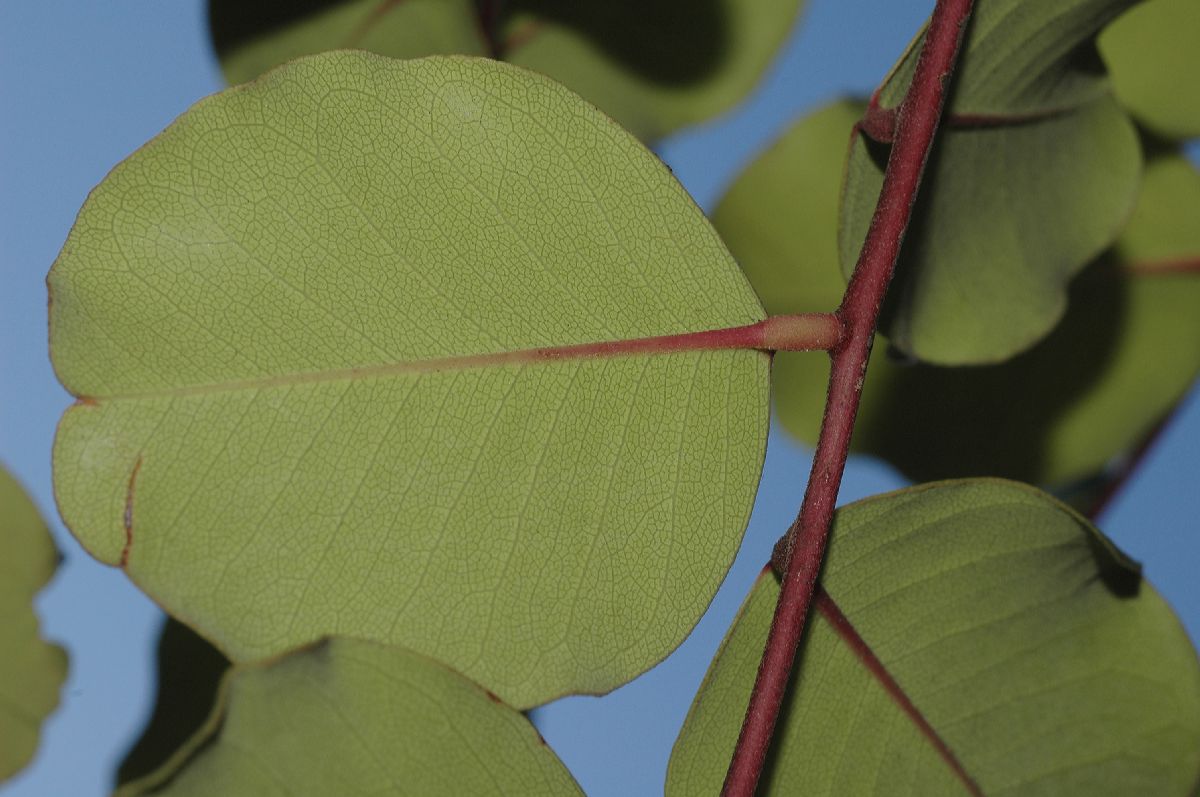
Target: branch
(916, 123)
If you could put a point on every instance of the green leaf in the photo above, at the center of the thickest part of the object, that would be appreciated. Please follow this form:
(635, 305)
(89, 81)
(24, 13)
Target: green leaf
(1155, 64)
(1124, 353)
(31, 670)
(1029, 646)
(189, 675)
(1033, 176)
(306, 326)
(653, 66)
(354, 717)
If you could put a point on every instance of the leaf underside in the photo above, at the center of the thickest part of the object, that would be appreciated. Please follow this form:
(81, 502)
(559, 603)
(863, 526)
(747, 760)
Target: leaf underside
(353, 717)
(257, 305)
(1028, 644)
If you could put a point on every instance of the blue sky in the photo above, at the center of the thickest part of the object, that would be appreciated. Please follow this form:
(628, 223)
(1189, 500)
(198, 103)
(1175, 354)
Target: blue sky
(84, 84)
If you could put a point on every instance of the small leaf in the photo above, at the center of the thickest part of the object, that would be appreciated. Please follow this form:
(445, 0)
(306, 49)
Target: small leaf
(1155, 64)
(32, 671)
(1033, 176)
(308, 323)
(189, 674)
(1123, 355)
(969, 631)
(653, 66)
(354, 717)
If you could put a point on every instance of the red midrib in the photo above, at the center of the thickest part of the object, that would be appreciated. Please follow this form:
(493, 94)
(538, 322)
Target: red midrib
(804, 332)
(842, 625)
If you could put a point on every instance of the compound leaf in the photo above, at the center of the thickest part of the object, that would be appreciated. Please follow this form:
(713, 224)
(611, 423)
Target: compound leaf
(968, 631)
(354, 717)
(308, 326)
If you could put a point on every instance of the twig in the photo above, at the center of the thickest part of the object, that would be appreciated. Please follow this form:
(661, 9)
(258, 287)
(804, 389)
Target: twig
(916, 123)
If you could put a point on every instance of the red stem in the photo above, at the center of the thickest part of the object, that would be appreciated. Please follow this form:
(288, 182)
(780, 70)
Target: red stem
(916, 123)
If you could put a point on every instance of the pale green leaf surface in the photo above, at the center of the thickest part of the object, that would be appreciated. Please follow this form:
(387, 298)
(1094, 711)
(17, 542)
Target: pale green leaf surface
(1022, 57)
(1011, 625)
(1013, 204)
(1153, 54)
(31, 670)
(251, 304)
(1126, 350)
(631, 58)
(348, 717)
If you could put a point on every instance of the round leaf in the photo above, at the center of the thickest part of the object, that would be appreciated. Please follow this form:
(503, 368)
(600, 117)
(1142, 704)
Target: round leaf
(980, 623)
(31, 670)
(354, 717)
(653, 66)
(307, 326)
(1152, 54)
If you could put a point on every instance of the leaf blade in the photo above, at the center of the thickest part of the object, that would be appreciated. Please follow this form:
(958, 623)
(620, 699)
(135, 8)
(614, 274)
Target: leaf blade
(348, 716)
(467, 500)
(1010, 623)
